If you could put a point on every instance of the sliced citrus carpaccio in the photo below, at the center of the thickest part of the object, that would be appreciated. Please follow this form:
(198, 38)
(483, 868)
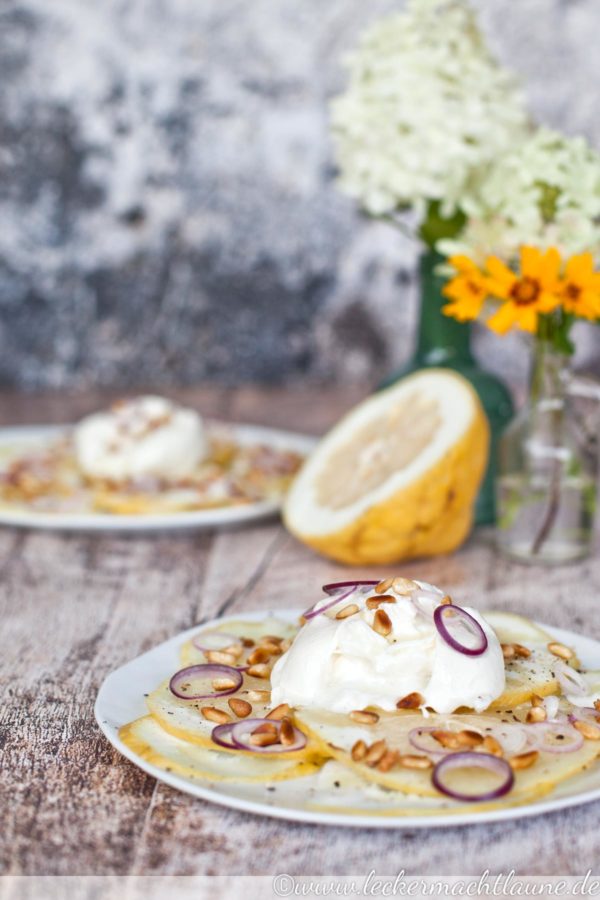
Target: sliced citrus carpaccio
(338, 734)
(396, 478)
(148, 740)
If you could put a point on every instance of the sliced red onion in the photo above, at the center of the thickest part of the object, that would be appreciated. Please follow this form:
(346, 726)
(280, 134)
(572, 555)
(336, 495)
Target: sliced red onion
(421, 739)
(221, 735)
(469, 759)
(214, 640)
(541, 734)
(241, 732)
(455, 619)
(512, 737)
(570, 680)
(182, 683)
(585, 714)
(316, 610)
(342, 585)
(551, 705)
(426, 602)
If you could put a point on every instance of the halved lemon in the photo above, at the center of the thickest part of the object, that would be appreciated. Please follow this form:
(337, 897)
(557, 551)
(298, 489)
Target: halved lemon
(397, 477)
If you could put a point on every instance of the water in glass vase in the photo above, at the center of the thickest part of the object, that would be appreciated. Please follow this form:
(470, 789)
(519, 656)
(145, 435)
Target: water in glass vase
(546, 485)
(524, 505)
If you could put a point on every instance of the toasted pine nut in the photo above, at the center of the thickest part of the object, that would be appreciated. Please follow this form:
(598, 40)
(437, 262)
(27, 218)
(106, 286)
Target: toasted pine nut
(589, 731)
(220, 657)
(468, 738)
(384, 586)
(247, 643)
(364, 716)
(508, 651)
(597, 705)
(258, 655)
(279, 712)
(536, 700)
(374, 602)
(285, 645)
(537, 714)
(389, 759)
(349, 610)
(264, 739)
(241, 708)
(259, 696)
(446, 600)
(287, 734)
(523, 652)
(266, 728)
(382, 623)
(271, 648)
(414, 761)
(404, 586)
(234, 650)
(491, 745)
(259, 671)
(223, 684)
(411, 701)
(560, 650)
(375, 753)
(449, 739)
(524, 760)
(271, 638)
(215, 715)
(359, 751)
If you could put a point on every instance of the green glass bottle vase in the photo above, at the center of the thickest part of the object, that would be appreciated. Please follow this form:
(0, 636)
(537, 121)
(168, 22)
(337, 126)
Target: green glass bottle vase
(443, 342)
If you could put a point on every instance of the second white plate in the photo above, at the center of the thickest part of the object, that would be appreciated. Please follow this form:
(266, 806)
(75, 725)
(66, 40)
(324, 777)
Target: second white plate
(39, 436)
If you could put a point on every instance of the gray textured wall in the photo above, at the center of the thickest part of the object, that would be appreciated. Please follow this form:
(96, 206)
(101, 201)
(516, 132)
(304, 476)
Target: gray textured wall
(167, 205)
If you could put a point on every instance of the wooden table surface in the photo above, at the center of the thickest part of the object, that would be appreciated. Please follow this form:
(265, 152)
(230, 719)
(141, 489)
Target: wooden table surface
(74, 607)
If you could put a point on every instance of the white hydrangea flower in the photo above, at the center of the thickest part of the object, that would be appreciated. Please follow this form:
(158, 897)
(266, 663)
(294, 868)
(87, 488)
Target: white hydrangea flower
(426, 106)
(544, 192)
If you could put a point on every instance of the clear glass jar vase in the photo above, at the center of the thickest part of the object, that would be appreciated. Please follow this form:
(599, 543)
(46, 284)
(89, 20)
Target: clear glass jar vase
(546, 482)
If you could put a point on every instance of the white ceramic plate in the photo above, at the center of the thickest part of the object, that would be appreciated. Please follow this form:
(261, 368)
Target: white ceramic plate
(121, 699)
(38, 436)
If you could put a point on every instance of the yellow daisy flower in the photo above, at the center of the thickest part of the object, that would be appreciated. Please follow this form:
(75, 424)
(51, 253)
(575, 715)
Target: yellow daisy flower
(579, 289)
(467, 290)
(524, 296)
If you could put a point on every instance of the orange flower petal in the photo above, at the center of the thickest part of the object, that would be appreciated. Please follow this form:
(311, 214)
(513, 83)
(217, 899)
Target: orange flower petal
(580, 268)
(531, 262)
(464, 264)
(550, 268)
(502, 279)
(504, 319)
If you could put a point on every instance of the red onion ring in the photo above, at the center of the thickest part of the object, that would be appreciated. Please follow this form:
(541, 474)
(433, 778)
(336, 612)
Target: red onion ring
(434, 749)
(214, 640)
(570, 680)
(539, 731)
(512, 737)
(317, 610)
(585, 714)
(339, 585)
(468, 758)
(477, 632)
(221, 735)
(240, 731)
(208, 671)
